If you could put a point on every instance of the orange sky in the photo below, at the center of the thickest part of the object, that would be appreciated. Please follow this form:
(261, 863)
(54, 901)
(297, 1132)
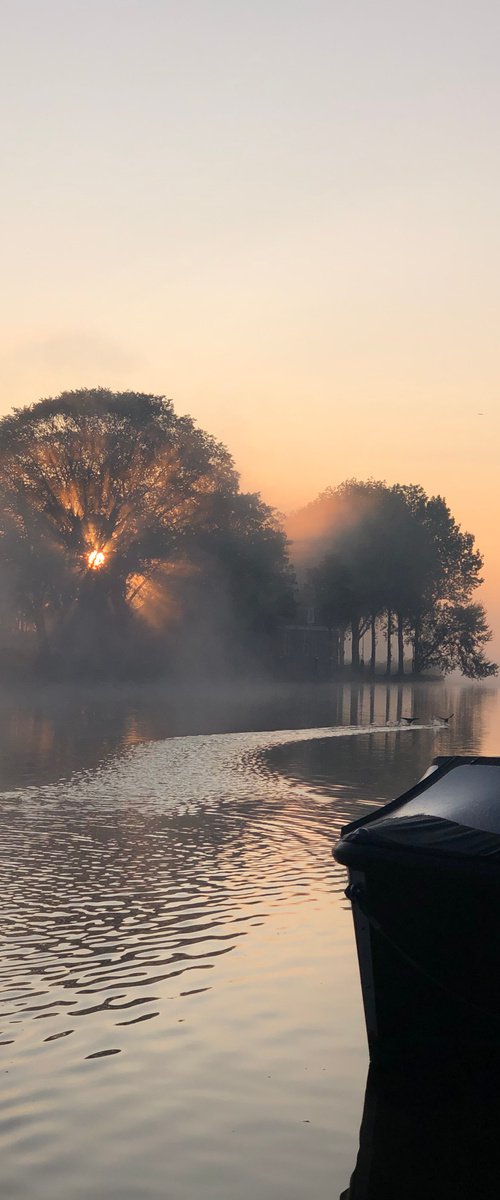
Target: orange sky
(282, 215)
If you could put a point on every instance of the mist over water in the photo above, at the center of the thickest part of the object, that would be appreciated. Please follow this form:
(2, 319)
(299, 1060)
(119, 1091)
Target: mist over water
(180, 1012)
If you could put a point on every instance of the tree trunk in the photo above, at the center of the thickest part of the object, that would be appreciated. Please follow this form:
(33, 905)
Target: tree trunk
(355, 645)
(416, 664)
(373, 655)
(389, 642)
(401, 645)
(335, 650)
(40, 626)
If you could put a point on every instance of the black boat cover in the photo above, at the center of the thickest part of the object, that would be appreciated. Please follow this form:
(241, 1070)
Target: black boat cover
(453, 811)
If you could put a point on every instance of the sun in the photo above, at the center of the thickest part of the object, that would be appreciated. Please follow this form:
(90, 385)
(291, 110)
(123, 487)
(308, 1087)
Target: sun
(96, 559)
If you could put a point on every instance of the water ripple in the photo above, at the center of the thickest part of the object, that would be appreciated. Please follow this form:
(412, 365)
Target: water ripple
(130, 880)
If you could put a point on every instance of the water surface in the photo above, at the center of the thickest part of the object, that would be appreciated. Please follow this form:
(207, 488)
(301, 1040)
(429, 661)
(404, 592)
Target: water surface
(180, 1007)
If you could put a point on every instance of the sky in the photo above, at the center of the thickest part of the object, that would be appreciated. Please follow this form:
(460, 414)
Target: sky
(282, 214)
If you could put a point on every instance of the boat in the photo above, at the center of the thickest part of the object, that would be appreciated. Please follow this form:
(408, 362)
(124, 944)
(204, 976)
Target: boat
(424, 885)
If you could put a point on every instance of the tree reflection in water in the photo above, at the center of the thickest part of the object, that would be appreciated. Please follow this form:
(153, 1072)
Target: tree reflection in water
(47, 733)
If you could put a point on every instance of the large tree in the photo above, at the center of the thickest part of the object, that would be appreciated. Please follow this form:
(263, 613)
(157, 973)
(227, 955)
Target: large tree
(454, 637)
(395, 551)
(443, 570)
(104, 498)
(348, 581)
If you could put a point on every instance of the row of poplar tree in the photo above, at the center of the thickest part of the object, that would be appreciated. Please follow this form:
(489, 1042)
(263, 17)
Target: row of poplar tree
(391, 560)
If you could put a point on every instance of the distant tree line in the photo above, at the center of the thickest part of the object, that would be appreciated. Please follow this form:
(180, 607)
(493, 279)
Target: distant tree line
(393, 561)
(127, 547)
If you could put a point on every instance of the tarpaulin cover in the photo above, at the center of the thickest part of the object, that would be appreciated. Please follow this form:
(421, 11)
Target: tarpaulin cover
(455, 810)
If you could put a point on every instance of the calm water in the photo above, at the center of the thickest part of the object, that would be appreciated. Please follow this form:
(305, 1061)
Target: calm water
(180, 1007)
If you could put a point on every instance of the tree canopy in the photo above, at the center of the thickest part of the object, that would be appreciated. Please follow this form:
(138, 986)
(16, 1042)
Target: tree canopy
(396, 556)
(105, 494)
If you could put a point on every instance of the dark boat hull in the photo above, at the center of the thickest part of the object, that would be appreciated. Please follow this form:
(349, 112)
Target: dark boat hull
(429, 955)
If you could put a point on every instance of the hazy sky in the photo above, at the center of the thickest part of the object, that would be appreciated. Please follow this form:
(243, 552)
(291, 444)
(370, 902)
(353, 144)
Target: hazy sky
(281, 213)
